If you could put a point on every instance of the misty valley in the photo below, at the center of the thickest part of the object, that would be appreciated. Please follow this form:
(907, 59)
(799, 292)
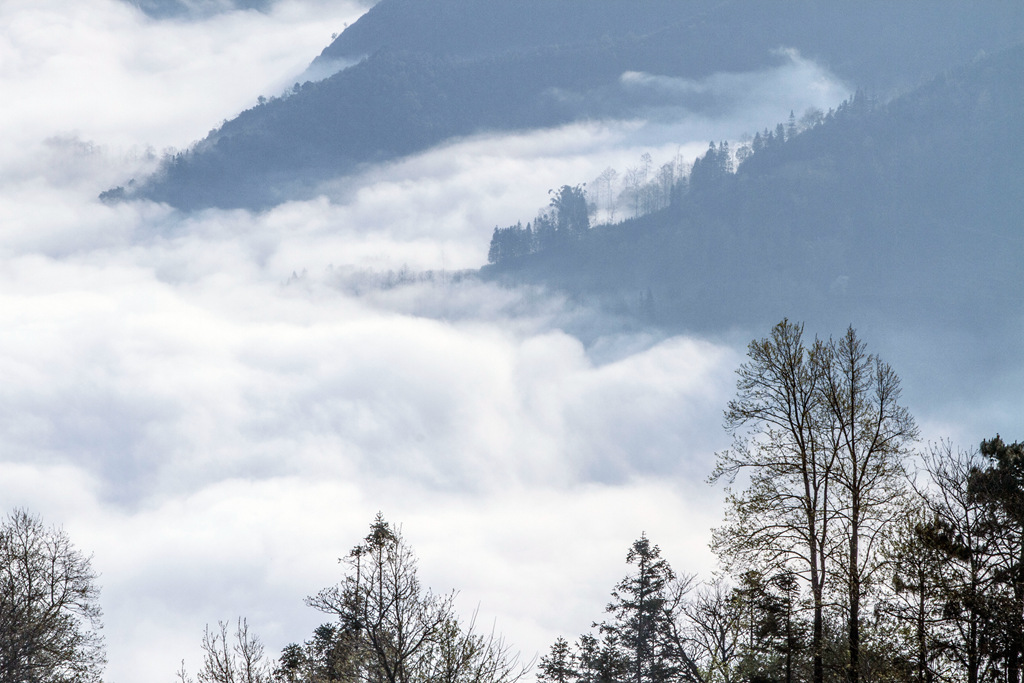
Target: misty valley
(725, 290)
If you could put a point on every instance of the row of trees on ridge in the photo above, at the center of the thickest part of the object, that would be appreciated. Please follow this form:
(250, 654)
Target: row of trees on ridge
(845, 556)
(642, 189)
(386, 628)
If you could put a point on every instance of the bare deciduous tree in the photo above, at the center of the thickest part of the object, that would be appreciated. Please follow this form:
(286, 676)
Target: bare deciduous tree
(711, 632)
(400, 632)
(782, 521)
(227, 660)
(870, 432)
(823, 436)
(49, 610)
(958, 530)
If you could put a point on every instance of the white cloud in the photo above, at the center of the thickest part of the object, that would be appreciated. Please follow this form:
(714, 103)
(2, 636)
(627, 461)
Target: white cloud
(795, 84)
(100, 69)
(217, 436)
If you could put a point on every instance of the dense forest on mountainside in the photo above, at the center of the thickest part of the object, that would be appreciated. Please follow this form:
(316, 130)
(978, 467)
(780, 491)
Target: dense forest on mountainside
(446, 68)
(873, 43)
(902, 211)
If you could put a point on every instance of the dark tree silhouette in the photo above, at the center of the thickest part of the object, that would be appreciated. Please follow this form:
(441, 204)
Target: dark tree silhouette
(49, 609)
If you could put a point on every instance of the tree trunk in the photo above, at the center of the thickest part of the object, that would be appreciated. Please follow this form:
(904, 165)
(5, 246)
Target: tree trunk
(922, 644)
(789, 637)
(817, 585)
(818, 673)
(853, 674)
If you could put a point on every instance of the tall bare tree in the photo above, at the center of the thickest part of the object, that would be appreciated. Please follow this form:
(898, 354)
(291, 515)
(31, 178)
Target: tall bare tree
(822, 435)
(49, 606)
(956, 529)
(710, 634)
(382, 601)
(783, 520)
(606, 186)
(240, 659)
(870, 432)
(399, 632)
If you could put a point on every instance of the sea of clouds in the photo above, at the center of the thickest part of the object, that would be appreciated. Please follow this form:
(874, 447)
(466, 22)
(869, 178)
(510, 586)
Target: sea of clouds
(216, 404)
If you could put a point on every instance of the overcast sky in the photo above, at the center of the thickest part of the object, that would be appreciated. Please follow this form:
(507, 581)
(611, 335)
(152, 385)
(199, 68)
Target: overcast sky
(216, 405)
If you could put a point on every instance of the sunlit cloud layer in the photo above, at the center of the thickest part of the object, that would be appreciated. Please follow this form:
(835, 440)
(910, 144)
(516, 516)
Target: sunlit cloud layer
(218, 439)
(101, 69)
(216, 404)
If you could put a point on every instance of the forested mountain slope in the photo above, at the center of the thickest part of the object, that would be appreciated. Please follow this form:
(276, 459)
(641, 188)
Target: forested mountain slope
(876, 43)
(906, 212)
(437, 69)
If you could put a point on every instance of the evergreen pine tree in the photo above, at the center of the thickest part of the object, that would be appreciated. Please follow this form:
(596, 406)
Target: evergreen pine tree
(643, 615)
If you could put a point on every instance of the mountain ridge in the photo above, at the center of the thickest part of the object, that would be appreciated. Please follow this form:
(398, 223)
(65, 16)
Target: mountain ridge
(866, 214)
(405, 98)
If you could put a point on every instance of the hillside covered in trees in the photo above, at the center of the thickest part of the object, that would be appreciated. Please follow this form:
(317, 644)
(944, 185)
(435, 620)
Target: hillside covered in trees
(506, 66)
(901, 211)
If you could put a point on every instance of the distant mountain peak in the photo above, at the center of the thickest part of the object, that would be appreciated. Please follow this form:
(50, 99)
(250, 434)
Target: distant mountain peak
(438, 69)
